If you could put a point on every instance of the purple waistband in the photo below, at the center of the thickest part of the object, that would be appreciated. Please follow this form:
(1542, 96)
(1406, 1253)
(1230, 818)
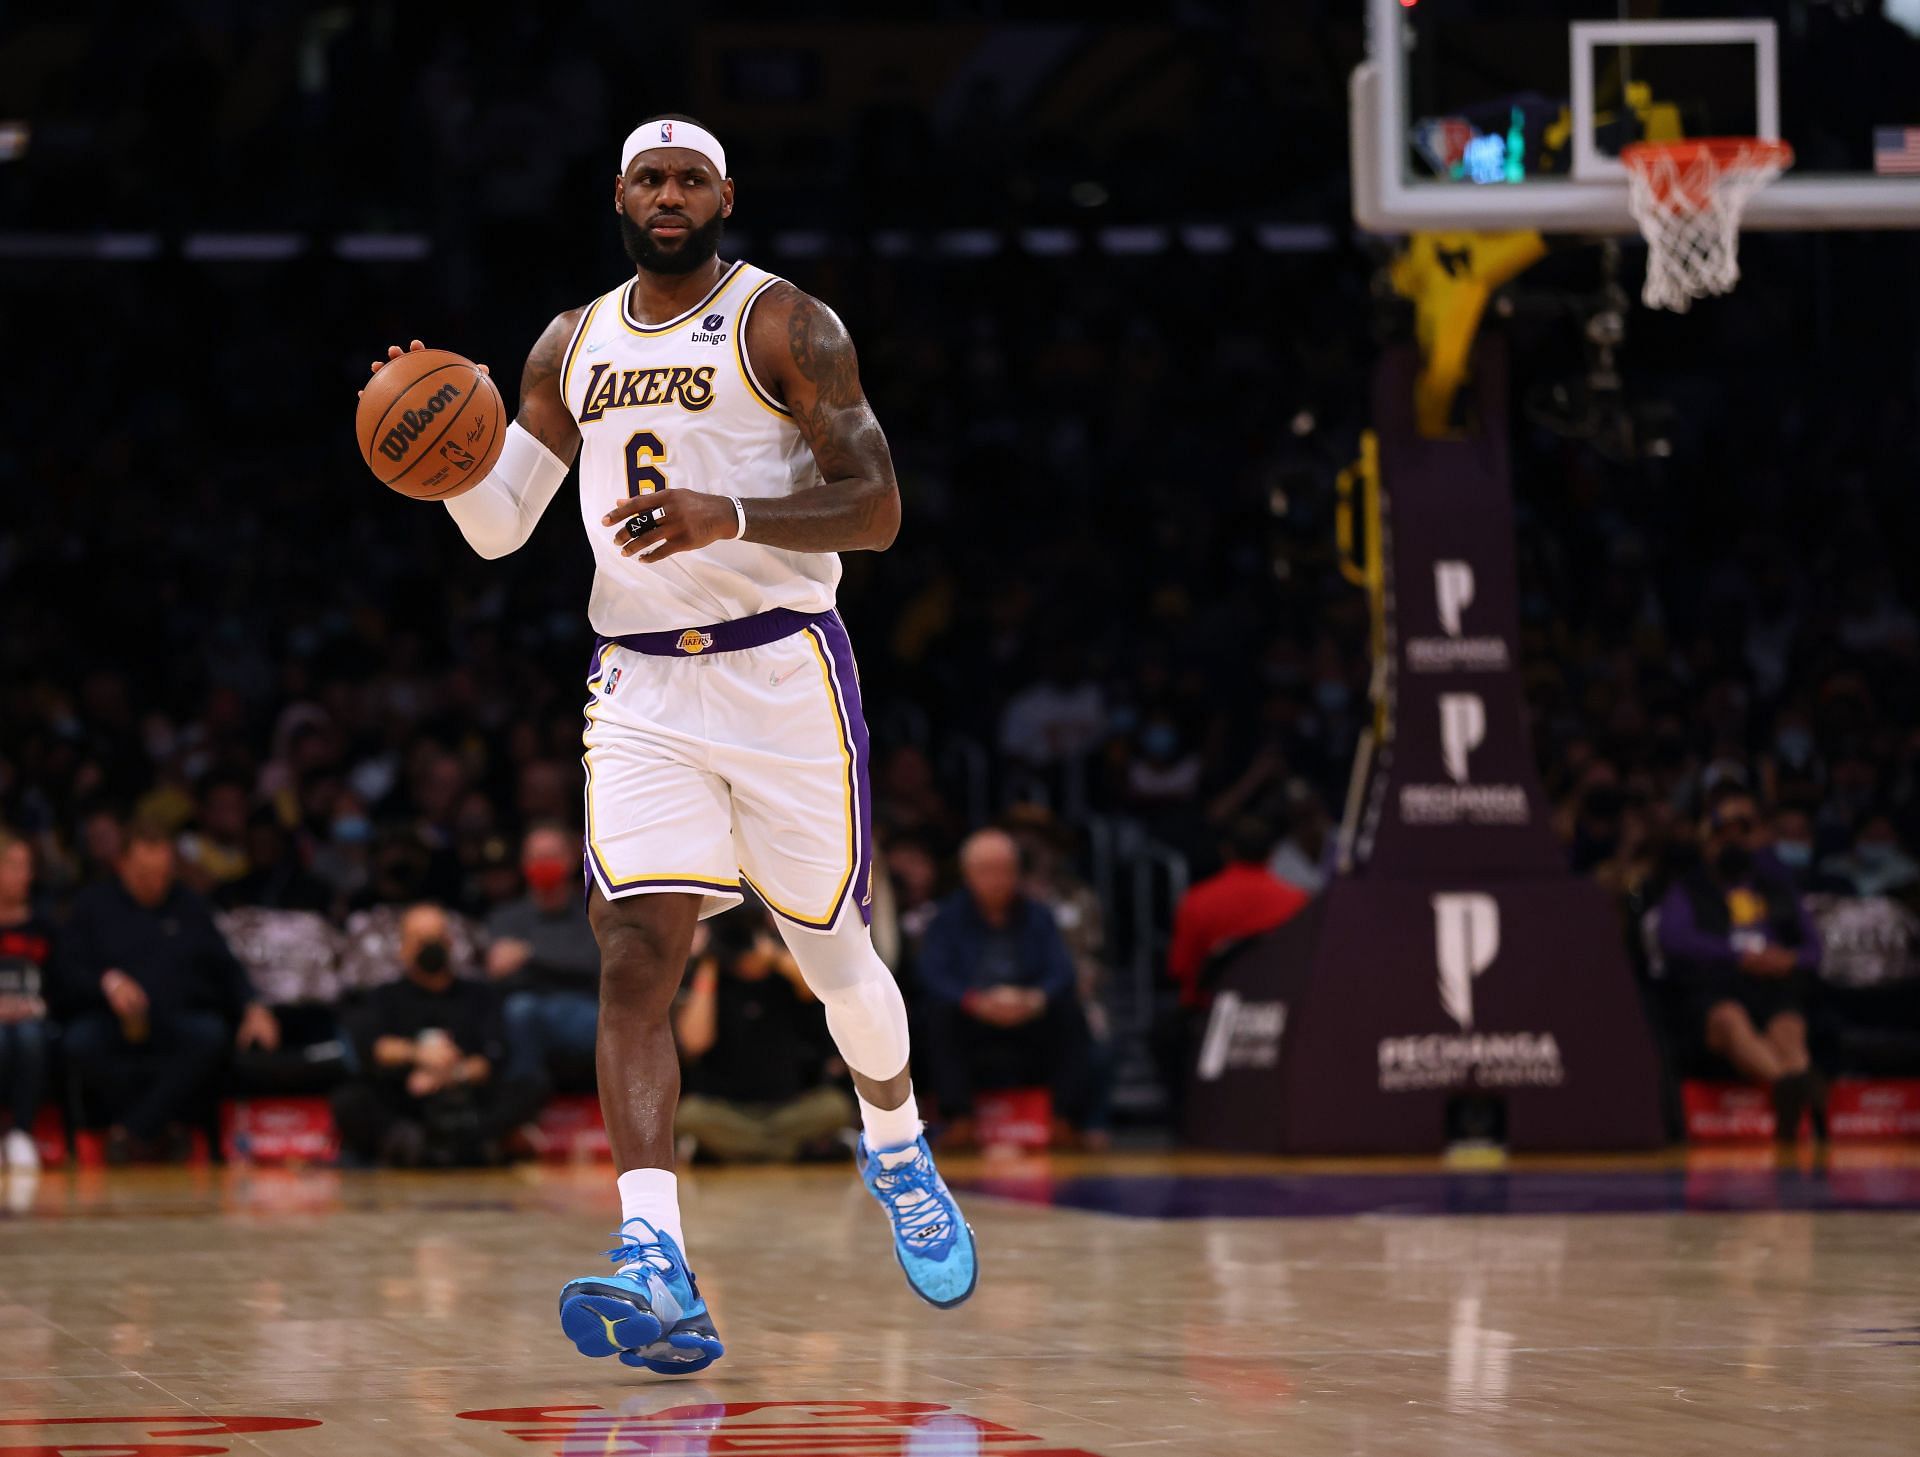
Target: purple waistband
(718, 637)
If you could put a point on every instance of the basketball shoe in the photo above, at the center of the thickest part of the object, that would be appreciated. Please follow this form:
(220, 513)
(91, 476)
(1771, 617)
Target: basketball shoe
(648, 1312)
(931, 1240)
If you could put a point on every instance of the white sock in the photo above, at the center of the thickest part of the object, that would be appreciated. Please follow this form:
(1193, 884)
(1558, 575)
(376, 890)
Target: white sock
(653, 1195)
(891, 1127)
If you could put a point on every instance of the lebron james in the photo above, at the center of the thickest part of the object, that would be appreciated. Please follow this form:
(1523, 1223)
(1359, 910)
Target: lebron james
(727, 455)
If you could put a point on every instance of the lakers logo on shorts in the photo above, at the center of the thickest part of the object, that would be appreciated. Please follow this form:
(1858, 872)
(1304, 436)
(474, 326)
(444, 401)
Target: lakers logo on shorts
(695, 641)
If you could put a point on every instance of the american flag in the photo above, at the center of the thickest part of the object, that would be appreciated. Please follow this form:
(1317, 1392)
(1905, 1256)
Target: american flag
(1896, 150)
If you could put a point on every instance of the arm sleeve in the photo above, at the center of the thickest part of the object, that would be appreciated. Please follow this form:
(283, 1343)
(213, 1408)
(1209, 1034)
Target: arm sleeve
(498, 515)
(1684, 945)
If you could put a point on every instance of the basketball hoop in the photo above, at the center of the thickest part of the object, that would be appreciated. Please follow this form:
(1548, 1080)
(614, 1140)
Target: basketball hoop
(1689, 198)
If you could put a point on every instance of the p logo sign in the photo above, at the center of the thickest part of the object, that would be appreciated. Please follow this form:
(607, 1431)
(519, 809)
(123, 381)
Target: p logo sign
(1453, 592)
(1463, 725)
(1466, 938)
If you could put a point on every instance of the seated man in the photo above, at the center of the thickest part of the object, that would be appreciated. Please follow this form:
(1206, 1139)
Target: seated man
(1001, 1008)
(428, 1047)
(546, 959)
(1740, 947)
(152, 998)
(754, 1039)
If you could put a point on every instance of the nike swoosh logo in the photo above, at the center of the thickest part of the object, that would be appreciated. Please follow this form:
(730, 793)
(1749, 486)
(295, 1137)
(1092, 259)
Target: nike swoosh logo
(774, 680)
(596, 348)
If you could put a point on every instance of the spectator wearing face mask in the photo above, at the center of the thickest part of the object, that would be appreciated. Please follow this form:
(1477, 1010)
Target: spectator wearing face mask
(1792, 851)
(1734, 936)
(1877, 864)
(430, 1091)
(545, 958)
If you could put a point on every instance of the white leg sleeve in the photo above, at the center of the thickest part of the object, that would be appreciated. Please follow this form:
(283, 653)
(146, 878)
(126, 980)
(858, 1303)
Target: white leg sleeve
(865, 1012)
(498, 514)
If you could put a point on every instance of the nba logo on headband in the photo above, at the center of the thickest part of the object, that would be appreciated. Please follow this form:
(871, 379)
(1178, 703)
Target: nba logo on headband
(661, 132)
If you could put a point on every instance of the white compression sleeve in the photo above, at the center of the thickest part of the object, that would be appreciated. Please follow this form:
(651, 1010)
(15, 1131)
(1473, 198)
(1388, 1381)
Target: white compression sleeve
(498, 515)
(865, 1011)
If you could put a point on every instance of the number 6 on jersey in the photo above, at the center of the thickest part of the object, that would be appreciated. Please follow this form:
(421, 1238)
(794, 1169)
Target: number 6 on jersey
(645, 456)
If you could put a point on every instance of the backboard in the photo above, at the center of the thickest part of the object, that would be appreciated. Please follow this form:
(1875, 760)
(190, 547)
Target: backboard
(1492, 115)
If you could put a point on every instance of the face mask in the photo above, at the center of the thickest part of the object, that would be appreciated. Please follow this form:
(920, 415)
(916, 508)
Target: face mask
(432, 957)
(352, 830)
(1794, 854)
(1734, 862)
(547, 875)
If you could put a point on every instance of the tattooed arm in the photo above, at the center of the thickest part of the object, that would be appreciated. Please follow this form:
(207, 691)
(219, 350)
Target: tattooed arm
(543, 414)
(800, 349)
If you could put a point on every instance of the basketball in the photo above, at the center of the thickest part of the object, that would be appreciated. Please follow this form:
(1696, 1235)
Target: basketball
(430, 424)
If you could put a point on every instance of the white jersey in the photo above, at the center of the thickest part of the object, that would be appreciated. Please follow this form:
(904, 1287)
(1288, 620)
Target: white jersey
(676, 404)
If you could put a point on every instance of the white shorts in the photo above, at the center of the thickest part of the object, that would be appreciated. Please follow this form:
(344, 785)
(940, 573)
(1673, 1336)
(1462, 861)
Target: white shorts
(708, 766)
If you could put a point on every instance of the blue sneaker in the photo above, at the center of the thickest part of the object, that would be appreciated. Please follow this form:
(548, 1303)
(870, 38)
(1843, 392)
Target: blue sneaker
(649, 1313)
(933, 1244)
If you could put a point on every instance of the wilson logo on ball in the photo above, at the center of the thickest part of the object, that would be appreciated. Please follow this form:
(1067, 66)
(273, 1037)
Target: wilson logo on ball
(399, 440)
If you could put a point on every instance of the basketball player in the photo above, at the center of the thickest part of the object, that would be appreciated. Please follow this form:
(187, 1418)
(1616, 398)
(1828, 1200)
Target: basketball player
(727, 453)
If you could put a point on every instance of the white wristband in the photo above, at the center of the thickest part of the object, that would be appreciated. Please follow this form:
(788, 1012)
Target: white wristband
(740, 515)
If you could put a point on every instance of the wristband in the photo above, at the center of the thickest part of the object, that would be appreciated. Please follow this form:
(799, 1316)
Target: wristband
(740, 515)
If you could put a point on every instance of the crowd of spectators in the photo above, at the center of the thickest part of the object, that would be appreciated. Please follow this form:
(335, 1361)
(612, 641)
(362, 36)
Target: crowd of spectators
(1114, 593)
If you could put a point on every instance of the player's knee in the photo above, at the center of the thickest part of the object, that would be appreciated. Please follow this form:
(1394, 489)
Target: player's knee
(640, 965)
(1725, 1022)
(868, 1021)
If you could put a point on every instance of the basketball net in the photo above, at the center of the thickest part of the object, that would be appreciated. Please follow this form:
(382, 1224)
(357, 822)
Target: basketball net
(1689, 198)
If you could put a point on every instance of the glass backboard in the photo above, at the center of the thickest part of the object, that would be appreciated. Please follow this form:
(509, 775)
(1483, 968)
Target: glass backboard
(1498, 114)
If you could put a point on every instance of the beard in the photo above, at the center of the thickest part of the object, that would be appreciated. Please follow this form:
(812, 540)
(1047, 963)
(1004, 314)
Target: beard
(699, 245)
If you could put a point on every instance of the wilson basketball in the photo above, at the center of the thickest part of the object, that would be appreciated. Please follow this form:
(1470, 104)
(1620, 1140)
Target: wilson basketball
(430, 424)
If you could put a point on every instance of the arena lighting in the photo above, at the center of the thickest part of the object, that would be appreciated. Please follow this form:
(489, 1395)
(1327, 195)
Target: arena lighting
(1122, 240)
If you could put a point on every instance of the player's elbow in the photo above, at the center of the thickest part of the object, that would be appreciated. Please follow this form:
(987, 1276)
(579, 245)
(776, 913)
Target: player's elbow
(492, 549)
(489, 539)
(886, 522)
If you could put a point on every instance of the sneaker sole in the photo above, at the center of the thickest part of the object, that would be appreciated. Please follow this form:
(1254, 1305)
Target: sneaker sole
(698, 1353)
(603, 1325)
(959, 1299)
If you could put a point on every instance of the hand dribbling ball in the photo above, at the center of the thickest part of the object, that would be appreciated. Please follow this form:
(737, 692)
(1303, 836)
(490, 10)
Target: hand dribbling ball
(430, 424)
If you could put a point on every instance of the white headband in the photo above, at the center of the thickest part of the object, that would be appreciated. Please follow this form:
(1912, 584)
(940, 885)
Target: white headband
(651, 134)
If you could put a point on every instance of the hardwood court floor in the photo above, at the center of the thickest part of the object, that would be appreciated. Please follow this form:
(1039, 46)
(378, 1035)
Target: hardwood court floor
(1744, 1310)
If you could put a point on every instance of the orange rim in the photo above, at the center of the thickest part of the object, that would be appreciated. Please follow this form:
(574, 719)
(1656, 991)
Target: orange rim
(1688, 180)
